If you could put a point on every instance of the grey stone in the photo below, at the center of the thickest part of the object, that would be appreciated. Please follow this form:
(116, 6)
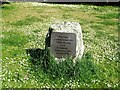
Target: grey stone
(65, 39)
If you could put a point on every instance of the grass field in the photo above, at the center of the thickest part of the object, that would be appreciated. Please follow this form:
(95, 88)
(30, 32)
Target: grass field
(25, 25)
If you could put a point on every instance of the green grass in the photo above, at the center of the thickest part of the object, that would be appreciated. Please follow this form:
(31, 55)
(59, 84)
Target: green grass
(109, 22)
(109, 16)
(14, 39)
(24, 27)
(27, 21)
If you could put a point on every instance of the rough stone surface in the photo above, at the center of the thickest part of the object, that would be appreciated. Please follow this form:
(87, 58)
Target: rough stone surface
(73, 33)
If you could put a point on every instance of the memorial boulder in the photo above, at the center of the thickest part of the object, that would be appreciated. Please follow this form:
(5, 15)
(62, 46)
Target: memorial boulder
(65, 40)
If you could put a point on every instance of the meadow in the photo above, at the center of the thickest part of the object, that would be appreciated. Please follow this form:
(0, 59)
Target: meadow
(24, 27)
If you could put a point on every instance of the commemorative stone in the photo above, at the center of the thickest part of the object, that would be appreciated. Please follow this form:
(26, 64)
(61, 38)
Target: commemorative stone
(65, 40)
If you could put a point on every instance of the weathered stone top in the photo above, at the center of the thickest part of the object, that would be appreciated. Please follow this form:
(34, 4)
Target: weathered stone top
(68, 27)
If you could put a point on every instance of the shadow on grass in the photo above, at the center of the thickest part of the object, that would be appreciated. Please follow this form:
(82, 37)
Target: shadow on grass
(84, 69)
(38, 57)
